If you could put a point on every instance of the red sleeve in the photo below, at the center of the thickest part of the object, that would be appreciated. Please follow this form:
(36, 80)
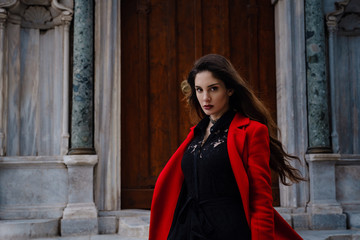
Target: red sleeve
(166, 193)
(259, 175)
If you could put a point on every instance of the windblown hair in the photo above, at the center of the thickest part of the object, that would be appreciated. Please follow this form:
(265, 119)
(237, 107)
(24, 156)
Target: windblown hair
(244, 101)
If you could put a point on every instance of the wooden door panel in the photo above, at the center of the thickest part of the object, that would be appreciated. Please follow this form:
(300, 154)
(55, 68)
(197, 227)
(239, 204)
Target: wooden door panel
(161, 39)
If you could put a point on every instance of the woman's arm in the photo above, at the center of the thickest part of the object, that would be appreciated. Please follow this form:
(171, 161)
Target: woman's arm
(259, 175)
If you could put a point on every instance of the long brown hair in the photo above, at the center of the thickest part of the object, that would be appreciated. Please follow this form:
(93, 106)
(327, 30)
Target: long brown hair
(244, 101)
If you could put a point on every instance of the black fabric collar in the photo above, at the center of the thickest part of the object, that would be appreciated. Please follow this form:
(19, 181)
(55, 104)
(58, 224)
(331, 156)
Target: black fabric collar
(221, 124)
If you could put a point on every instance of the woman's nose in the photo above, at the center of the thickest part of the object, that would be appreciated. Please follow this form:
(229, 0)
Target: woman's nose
(206, 96)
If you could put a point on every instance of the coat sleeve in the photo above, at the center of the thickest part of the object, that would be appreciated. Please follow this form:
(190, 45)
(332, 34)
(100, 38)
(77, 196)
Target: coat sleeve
(259, 175)
(166, 193)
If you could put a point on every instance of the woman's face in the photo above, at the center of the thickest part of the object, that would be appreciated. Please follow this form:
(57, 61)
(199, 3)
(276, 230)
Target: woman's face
(212, 94)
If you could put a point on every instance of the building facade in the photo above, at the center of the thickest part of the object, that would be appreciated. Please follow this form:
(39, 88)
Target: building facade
(62, 106)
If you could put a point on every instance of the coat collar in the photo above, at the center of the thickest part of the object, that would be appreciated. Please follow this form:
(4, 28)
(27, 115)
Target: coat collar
(240, 121)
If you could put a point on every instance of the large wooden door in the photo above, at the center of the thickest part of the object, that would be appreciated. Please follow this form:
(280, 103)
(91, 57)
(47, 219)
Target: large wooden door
(161, 39)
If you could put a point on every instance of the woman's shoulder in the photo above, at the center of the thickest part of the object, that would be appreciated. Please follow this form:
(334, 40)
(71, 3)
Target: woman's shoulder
(249, 124)
(257, 130)
(255, 124)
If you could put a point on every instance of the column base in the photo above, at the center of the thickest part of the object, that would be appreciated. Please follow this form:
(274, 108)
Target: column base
(81, 151)
(330, 207)
(79, 219)
(74, 227)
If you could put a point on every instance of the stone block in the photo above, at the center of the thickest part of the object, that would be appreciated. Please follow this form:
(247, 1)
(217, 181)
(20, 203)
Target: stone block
(353, 220)
(322, 177)
(76, 227)
(300, 221)
(327, 221)
(342, 237)
(80, 214)
(136, 226)
(107, 225)
(347, 183)
(26, 229)
(32, 187)
(80, 172)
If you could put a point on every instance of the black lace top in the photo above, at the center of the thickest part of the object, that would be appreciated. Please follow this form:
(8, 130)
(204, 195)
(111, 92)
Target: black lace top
(209, 206)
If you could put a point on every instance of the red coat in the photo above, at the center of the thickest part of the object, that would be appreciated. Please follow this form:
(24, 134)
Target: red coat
(249, 152)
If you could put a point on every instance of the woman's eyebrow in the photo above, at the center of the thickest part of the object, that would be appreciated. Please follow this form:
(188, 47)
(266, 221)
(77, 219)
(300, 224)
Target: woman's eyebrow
(212, 85)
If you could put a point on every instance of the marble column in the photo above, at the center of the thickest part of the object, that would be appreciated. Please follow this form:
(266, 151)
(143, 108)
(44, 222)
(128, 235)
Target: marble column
(332, 28)
(3, 17)
(82, 119)
(65, 117)
(317, 92)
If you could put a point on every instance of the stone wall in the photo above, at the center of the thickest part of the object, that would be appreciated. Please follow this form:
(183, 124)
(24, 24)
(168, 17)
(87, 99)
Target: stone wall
(347, 173)
(32, 187)
(329, 199)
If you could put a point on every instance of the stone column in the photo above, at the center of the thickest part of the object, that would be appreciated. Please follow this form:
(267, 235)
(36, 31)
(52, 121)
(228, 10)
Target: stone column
(324, 210)
(80, 215)
(3, 17)
(317, 91)
(82, 134)
(332, 29)
(65, 117)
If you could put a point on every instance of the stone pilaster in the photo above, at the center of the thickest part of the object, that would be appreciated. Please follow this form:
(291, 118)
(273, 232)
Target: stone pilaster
(317, 90)
(82, 119)
(80, 214)
(3, 17)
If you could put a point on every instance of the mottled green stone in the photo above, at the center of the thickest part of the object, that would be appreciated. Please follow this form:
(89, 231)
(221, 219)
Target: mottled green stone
(317, 89)
(82, 120)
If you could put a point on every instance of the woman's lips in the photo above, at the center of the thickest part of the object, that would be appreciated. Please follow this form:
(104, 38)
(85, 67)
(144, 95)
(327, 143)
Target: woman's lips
(208, 107)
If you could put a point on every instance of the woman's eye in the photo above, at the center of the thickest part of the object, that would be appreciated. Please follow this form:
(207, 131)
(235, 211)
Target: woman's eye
(198, 89)
(213, 89)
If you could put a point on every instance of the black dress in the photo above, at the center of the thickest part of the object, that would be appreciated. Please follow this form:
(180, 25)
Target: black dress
(209, 205)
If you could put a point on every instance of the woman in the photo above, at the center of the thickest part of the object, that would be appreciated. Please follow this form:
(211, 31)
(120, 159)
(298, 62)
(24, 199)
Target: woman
(217, 185)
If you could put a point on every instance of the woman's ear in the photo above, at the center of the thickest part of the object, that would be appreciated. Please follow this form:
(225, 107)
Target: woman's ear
(230, 92)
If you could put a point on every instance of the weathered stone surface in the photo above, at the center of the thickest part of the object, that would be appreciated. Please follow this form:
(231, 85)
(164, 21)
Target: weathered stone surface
(26, 229)
(134, 226)
(107, 138)
(347, 182)
(291, 92)
(327, 221)
(353, 220)
(32, 187)
(300, 221)
(80, 171)
(74, 227)
(80, 214)
(322, 183)
(317, 91)
(83, 72)
(108, 225)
